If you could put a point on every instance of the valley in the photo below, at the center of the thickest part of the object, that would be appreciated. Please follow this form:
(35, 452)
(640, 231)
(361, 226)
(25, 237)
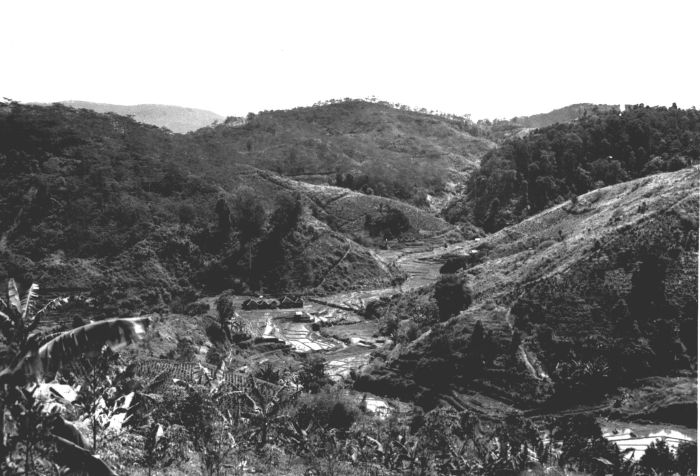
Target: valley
(353, 271)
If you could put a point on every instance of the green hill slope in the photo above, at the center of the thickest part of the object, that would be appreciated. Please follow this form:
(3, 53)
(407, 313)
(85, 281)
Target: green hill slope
(576, 301)
(101, 203)
(501, 130)
(356, 144)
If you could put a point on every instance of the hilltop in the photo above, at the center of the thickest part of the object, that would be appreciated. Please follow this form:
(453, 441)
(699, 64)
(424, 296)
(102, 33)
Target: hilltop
(175, 118)
(372, 147)
(366, 146)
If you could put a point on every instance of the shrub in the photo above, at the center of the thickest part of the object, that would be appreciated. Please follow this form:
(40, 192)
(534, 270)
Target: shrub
(583, 445)
(390, 224)
(687, 458)
(312, 376)
(658, 458)
(328, 409)
(268, 373)
(196, 308)
(373, 309)
(215, 333)
(452, 295)
(453, 265)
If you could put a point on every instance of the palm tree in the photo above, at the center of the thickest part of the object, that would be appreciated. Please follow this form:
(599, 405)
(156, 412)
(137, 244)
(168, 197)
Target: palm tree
(33, 355)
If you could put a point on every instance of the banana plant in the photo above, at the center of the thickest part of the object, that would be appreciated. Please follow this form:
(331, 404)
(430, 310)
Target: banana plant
(35, 356)
(17, 318)
(266, 410)
(37, 360)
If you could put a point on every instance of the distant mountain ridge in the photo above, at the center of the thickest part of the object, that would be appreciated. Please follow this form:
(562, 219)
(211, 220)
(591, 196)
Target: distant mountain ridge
(176, 118)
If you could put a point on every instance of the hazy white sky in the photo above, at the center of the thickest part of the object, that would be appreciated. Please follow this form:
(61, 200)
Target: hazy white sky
(486, 58)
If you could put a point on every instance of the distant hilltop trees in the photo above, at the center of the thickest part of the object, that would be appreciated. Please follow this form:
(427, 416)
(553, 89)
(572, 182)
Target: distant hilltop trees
(396, 105)
(552, 164)
(232, 120)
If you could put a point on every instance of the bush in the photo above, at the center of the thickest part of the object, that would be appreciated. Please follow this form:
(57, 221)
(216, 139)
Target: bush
(328, 409)
(453, 265)
(268, 373)
(196, 308)
(452, 295)
(658, 458)
(583, 445)
(215, 333)
(687, 458)
(389, 224)
(373, 309)
(312, 376)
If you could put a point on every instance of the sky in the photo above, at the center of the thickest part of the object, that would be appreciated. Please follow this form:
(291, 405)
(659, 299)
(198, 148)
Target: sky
(490, 59)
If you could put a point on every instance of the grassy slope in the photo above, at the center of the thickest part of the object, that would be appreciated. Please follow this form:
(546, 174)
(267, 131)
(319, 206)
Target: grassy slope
(346, 209)
(533, 251)
(574, 279)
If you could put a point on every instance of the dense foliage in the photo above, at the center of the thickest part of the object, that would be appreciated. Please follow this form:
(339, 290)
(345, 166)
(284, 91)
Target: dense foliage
(526, 175)
(147, 219)
(142, 217)
(594, 334)
(370, 147)
(452, 295)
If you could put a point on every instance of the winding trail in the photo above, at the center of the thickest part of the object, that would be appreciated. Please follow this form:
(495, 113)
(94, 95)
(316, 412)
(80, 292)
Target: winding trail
(524, 356)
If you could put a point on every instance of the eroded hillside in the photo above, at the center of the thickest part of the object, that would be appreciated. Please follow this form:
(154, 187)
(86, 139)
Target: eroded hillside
(578, 300)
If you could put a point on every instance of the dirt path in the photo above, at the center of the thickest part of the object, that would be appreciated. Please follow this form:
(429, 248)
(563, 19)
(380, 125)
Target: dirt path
(525, 357)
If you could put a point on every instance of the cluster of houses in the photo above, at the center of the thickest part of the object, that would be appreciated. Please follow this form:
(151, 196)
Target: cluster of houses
(284, 303)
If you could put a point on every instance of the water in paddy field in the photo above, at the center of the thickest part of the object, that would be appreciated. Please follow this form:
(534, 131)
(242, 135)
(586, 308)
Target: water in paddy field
(637, 437)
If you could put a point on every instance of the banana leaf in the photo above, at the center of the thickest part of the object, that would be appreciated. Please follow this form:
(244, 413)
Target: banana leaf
(62, 349)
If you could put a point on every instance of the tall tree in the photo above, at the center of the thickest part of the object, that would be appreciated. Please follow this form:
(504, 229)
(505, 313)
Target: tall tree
(249, 219)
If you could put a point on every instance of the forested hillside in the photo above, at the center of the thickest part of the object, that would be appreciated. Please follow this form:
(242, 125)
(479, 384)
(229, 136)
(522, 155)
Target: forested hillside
(371, 147)
(562, 115)
(100, 202)
(500, 130)
(550, 165)
(503, 347)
